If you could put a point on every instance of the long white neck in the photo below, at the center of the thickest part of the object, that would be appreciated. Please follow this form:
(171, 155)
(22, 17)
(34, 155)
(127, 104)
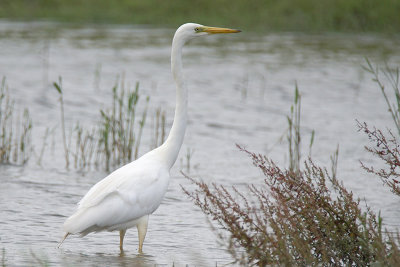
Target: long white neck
(170, 149)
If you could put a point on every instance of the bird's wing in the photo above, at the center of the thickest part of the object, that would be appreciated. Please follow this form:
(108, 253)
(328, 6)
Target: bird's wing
(107, 185)
(126, 181)
(125, 195)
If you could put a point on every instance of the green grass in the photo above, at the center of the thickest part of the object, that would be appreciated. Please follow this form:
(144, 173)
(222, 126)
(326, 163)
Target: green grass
(15, 130)
(116, 137)
(114, 140)
(252, 15)
(119, 137)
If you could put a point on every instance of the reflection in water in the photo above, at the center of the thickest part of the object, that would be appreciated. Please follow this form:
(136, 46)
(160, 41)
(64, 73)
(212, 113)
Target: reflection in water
(240, 91)
(122, 260)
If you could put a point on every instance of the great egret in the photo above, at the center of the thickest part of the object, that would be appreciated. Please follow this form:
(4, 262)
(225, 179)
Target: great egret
(127, 196)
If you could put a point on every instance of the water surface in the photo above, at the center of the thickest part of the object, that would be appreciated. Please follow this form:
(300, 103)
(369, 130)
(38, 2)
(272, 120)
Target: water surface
(241, 88)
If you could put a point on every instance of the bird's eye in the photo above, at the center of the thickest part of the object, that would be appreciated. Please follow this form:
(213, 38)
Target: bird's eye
(197, 29)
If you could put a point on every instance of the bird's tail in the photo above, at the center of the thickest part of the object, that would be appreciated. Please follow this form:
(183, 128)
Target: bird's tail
(65, 236)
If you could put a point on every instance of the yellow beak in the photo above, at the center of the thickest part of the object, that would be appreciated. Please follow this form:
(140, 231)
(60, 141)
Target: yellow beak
(213, 30)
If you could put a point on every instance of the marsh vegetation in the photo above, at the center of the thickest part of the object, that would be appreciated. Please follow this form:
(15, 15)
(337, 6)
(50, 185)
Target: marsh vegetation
(244, 95)
(116, 139)
(303, 215)
(256, 15)
(112, 142)
(15, 130)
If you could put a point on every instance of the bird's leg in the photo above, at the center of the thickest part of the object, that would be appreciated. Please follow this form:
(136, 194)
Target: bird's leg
(121, 239)
(142, 230)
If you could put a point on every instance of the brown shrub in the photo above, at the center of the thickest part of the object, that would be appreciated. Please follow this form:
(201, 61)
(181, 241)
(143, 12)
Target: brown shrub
(295, 218)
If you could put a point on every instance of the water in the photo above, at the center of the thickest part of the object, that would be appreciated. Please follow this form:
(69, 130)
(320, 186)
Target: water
(241, 88)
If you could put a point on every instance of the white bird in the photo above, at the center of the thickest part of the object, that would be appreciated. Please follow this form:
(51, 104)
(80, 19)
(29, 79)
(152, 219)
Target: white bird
(127, 196)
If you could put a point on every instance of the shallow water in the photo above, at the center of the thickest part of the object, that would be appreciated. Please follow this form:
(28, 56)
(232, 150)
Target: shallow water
(241, 88)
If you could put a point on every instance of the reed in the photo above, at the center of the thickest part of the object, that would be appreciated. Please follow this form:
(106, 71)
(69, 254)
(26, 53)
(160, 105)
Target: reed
(293, 136)
(97, 77)
(84, 151)
(3, 257)
(187, 161)
(39, 260)
(58, 87)
(15, 133)
(120, 137)
(116, 139)
(44, 146)
(158, 128)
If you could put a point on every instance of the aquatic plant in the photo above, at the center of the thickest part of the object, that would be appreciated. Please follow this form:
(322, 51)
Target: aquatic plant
(58, 87)
(15, 133)
(302, 219)
(119, 140)
(3, 257)
(39, 260)
(86, 146)
(386, 147)
(44, 145)
(158, 128)
(186, 160)
(293, 136)
(116, 138)
(297, 216)
(392, 76)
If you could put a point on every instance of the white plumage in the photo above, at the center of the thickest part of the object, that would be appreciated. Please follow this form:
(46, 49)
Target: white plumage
(127, 196)
(131, 192)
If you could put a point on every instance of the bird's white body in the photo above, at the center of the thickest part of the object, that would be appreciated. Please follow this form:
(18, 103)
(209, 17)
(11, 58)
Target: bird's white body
(127, 196)
(118, 201)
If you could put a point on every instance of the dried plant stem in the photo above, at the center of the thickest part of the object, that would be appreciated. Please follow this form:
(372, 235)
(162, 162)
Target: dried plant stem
(393, 77)
(141, 126)
(387, 149)
(293, 136)
(159, 137)
(15, 136)
(58, 87)
(302, 217)
(43, 148)
(116, 139)
(296, 219)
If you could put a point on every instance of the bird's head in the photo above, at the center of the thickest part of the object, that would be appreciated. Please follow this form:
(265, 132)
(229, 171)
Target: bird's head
(191, 30)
